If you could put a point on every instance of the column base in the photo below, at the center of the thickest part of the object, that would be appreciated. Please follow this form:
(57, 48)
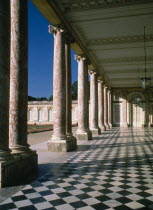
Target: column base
(102, 128)
(147, 125)
(110, 125)
(84, 135)
(107, 127)
(95, 131)
(6, 155)
(20, 170)
(66, 145)
(73, 140)
(124, 125)
(19, 149)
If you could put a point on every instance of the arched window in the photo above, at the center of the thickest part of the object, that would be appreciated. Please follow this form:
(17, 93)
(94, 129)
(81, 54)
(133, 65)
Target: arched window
(30, 115)
(39, 114)
(50, 115)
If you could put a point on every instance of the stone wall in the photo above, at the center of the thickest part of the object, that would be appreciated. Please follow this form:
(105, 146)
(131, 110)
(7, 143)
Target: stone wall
(41, 112)
(127, 112)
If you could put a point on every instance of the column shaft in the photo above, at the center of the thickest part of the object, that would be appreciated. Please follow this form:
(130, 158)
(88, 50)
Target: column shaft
(69, 93)
(4, 79)
(19, 77)
(147, 112)
(106, 108)
(83, 132)
(68, 90)
(124, 110)
(59, 87)
(109, 109)
(59, 141)
(101, 106)
(94, 104)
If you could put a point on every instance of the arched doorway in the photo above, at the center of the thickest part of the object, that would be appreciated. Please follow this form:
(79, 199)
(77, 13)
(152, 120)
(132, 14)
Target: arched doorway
(136, 110)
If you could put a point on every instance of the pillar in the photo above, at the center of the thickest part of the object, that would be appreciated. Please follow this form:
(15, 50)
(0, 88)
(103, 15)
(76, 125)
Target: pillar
(109, 108)
(101, 106)
(106, 108)
(4, 80)
(94, 103)
(13, 171)
(69, 92)
(83, 132)
(19, 77)
(147, 110)
(59, 141)
(124, 110)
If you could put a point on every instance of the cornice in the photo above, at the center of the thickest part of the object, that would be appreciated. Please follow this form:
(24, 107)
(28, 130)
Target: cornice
(125, 59)
(85, 5)
(118, 40)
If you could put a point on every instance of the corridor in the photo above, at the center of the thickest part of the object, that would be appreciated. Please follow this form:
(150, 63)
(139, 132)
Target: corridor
(112, 171)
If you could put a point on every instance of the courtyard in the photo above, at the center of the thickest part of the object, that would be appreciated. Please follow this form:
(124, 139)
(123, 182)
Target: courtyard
(112, 171)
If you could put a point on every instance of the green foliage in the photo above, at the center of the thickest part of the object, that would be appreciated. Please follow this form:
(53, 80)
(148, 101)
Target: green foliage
(31, 98)
(51, 98)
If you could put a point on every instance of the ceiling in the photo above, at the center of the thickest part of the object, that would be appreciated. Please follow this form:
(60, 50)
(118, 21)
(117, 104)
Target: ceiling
(110, 32)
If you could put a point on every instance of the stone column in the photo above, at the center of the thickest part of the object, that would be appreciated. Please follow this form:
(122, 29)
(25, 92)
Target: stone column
(59, 141)
(69, 92)
(83, 132)
(106, 108)
(4, 80)
(19, 77)
(109, 109)
(94, 103)
(101, 106)
(147, 111)
(124, 123)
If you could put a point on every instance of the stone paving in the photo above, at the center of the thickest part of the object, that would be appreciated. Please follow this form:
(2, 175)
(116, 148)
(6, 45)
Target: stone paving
(112, 171)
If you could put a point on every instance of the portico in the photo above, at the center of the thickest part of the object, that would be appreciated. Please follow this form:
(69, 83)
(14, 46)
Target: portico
(105, 47)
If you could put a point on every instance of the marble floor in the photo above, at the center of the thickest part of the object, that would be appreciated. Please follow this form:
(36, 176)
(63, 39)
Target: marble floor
(112, 171)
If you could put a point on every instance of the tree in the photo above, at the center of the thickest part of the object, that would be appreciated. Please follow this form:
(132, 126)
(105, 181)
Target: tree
(31, 98)
(75, 90)
(42, 99)
(51, 98)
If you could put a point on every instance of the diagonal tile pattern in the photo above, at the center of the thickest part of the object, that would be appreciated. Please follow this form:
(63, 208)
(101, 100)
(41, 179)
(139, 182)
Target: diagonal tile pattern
(113, 171)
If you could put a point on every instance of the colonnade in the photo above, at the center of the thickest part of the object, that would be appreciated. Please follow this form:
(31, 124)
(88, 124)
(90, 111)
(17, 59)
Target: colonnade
(14, 149)
(100, 97)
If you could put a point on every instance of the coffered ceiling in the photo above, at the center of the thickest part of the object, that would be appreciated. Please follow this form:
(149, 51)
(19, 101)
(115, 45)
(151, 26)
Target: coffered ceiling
(110, 32)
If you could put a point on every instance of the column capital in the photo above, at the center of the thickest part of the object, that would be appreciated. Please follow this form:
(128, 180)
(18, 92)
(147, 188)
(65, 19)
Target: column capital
(52, 29)
(80, 57)
(91, 72)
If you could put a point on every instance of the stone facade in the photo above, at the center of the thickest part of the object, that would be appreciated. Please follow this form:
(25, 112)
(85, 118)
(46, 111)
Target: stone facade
(41, 112)
(127, 112)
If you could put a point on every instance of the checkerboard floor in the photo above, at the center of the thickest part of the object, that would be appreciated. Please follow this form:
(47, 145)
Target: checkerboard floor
(114, 172)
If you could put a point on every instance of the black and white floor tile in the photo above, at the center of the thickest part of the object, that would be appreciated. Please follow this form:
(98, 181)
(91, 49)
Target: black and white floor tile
(113, 171)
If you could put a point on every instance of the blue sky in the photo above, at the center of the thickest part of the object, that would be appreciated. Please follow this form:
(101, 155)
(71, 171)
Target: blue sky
(41, 45)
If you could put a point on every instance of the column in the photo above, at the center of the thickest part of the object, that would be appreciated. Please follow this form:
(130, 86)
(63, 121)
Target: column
(19, 77)
(109, 109)
(94, 103)
(101, 106)
(4, 80)
(147, 111)
(59, 141)
(106, 108)
(83, 132)
(124, 123)
(69, 92)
